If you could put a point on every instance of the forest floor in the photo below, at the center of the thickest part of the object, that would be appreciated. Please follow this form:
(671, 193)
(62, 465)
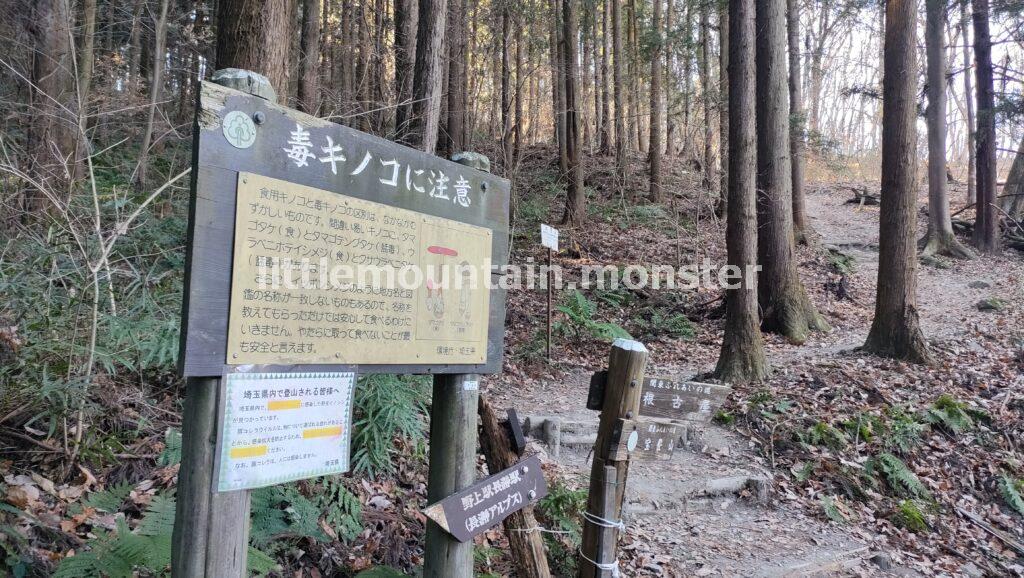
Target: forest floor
(818, 433)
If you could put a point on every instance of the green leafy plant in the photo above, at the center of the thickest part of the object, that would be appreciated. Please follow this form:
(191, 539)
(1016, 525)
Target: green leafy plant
(119, 553)
(1012, 491)
(901, 431)
(842, 263)
(387, 407)
(898, 475)
(661, 324)
(171, 453)
(561, 511)
(835, 509)
(824, 434)
(110, 499)
(579, 313)
(948, 413)
(908, 515)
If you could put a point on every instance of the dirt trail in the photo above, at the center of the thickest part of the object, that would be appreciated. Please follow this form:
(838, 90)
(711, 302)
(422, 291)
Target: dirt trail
(700, 514)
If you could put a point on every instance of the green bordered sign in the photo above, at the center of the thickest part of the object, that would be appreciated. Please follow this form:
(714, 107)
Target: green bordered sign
(281, 427)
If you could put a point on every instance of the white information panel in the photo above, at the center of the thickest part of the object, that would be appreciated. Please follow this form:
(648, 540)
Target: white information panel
(281, 427)
(549, 237)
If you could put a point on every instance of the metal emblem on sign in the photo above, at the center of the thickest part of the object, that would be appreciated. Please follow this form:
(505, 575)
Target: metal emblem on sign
(634, 437)
(239, 129)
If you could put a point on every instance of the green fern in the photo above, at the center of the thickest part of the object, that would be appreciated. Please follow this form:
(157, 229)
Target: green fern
(824, 434)
(900, 478)
(949, 414)
(172, 448)
(902, 432)
(342, 509)
(834, 509)
(579, 312)
(386, 407)
(909, 515)
(1011, 490)
(259, 563)
(110, 499)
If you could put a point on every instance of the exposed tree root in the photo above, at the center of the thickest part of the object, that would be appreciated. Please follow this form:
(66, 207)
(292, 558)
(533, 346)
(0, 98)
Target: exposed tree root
(792, 315)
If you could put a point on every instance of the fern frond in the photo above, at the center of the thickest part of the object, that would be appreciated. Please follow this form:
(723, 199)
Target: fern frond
(159, 517)
(172, 448)
(900, 477)
(260, 564)
(1011, 490)
(110, 499)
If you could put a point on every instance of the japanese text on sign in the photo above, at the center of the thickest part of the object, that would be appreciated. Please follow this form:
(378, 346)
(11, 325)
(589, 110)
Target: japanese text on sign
(279, 427)
(320, 277)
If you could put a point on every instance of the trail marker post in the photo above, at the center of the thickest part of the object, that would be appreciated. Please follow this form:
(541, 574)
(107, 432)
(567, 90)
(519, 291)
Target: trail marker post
(278, 318)
(621, 401)
(549, 239)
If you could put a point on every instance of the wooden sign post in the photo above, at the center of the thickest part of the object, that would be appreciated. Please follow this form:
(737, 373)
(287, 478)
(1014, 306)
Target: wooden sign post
(549, 239)
(302, 237)
(621, 401)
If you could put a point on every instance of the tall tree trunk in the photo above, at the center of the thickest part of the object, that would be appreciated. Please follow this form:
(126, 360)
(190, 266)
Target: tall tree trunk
(250, 36)
(940, 238)
(53, 135)
(669, 50)
(784, 303)
(654, 150)
(723, 106)
(135, 47)
(606, 74)
(965, 27)
(309, 56)
(86, 56)
(797, 122)
(155, 88)
(456, 133)
(619, 88)
(710, 176)
(558, 84)
(506, 89)
(575, 202)
(517, 149)
(405, 57)
(742, 357)
(632, 89)
(896, 331)
(986, 224)
(427, 77)
(1013, 191)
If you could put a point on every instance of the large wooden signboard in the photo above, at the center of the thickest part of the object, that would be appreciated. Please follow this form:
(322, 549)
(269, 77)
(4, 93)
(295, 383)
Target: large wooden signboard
(275, 187)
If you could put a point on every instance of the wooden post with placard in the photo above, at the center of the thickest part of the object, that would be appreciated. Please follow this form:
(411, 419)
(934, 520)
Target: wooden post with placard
(620, 401)
(302, 238)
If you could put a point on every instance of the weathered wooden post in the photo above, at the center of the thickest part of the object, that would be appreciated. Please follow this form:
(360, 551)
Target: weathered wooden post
(211, 529)
(453, 453)
(621, 401)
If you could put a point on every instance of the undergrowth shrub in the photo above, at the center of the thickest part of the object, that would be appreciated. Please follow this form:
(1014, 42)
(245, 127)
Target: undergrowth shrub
(561, 511)
(579, 319)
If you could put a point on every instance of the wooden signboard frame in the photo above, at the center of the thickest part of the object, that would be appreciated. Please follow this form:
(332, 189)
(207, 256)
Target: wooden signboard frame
(217, 163)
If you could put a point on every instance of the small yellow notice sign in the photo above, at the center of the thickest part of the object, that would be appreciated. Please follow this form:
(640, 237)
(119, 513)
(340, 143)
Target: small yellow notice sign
(323, 278)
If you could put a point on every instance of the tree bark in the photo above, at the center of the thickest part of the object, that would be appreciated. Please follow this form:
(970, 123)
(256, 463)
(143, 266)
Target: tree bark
(965, 27)
(506, 89)
(1013, 191)
(155, 88)
(575, 203)
(784, 304)
(53, 133)
(654, 150)
(309, 57)
(619, 89)
(606, 90)
(797, 122)
(86, 55)
(707, 97)
(405, 57)
(456, 133)
(742, 358)
(250, 35)
(723, 107)
(896, 330)
(986, 224)
(427, 75)
(939, 238)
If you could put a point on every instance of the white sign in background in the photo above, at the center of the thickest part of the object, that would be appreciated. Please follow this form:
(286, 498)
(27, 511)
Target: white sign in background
(281, 427)
(549, 237)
